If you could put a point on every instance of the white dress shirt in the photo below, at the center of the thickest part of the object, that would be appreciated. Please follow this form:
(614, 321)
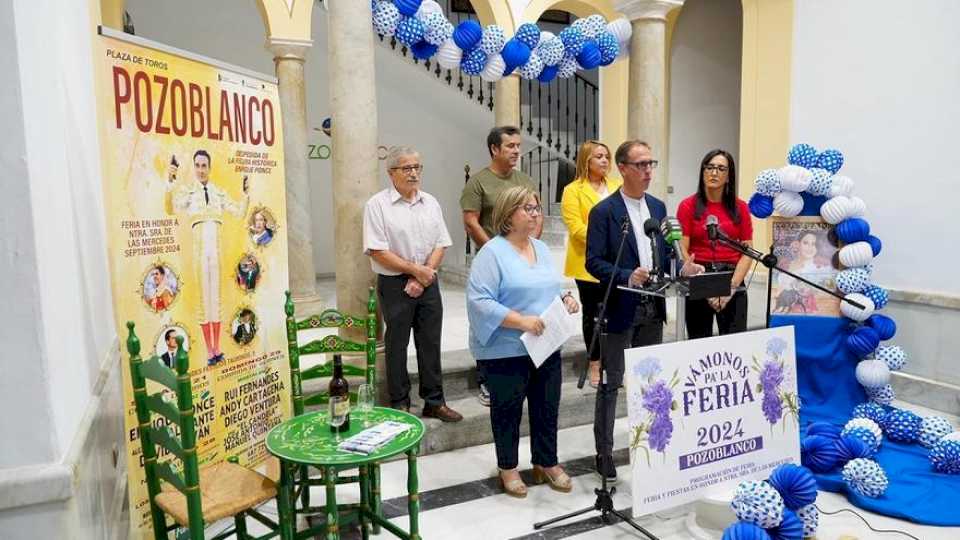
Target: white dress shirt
(409, 229)
(639, 214)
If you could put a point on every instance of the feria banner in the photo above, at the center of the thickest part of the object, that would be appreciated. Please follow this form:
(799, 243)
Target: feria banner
(708, 413)
(192, 154)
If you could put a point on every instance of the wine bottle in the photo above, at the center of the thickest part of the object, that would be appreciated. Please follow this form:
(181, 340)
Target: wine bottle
(339, 387)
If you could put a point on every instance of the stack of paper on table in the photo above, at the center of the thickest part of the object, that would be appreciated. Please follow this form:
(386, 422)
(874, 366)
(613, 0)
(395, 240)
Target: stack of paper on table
(370, 439)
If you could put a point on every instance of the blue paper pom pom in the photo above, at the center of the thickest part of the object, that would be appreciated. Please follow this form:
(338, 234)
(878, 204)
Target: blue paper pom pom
(852, 448)
(760, 205)
(423, 50)
(790, 528)
(945, 455)
(437, 28)
(528, 34)
(879, 296)
(492, 40)
(863, 341)
(830, 160)
(810, 517)
(864, 435)
(893, 355)
(821, 182)
(853, 280)
(409, 30)
(573, 40)
(796, 485)
(875, 244)
(885, 326)
(386, 16)
(589, 56)
(742, 530)
(932, 429)
(819, 453)
(473, 62)
(901, 425)
(871, 411)
(548, 74)
(768, 182)
(865, 477)
(883, 395)
(408, 8)
(757, 502)
(515, 54)
(803, 155)
(853, 230)
(467, 34)
(825, 429)
(609, 47)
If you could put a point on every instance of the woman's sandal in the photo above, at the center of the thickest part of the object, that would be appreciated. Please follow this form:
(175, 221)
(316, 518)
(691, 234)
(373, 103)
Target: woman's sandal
(560, 482)
(514, 488)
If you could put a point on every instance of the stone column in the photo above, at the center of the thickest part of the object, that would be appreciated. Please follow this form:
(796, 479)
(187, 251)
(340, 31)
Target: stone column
(506, 101)
(647, 104)
(353, 105)
(288, 55)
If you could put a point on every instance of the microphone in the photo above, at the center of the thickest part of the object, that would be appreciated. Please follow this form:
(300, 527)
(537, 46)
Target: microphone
(650, 228)
(672, 232)
(625, 225)
(712, 227)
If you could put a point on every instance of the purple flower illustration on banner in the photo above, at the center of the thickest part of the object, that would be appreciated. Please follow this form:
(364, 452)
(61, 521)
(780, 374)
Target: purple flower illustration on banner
(771, 377)
(656, 403)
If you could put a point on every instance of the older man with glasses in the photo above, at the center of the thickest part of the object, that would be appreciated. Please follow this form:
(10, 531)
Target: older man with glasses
(405, 236)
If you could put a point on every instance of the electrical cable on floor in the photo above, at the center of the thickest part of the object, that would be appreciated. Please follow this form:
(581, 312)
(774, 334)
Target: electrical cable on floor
(882, 531)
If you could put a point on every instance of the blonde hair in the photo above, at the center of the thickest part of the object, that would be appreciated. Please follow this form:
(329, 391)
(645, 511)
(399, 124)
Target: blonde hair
(507, 203)
(583, 158)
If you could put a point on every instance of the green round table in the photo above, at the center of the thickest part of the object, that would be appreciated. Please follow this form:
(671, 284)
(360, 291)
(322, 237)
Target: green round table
(307, 440)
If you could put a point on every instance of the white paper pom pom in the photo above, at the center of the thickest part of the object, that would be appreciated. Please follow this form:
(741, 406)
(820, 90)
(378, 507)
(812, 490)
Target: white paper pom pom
(932, 429)
(795, 178)
(873, 373)
(835, 210)
(841, 185)
(492, 40)
(821, 182)
(533, 67)
(855, 313)
(621, 28)
(892, 355)
(449, 55)
(788, 203)
(864, 423)
(493, 71)
(858, 208)
(865, 477)
(427, 7)
(856, 254)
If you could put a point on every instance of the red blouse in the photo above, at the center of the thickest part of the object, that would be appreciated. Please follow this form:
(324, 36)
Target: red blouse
(701, 247)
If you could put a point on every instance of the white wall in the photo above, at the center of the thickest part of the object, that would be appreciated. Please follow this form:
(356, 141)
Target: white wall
(879, 80)
(414, 108)
(704, 90)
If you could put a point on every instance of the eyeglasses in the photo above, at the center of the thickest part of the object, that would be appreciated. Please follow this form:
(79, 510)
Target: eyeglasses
(532, 209)
(652, 164)
(407, 169)
(716, 168)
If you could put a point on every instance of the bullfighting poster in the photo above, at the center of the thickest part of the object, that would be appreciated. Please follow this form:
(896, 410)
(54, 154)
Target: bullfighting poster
(192, 154)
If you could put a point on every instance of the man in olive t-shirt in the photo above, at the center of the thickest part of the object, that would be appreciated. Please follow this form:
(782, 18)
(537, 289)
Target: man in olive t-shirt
(480, 195)
(480, 192)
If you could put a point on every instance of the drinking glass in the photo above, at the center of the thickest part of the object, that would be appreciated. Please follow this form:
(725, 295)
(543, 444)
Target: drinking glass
(365, 399)
(338, 414)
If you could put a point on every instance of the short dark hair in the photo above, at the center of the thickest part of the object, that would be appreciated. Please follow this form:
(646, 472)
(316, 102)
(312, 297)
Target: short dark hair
(495, 137)
(166, 335)
(202, 153)
(625, 147)
(160, 269)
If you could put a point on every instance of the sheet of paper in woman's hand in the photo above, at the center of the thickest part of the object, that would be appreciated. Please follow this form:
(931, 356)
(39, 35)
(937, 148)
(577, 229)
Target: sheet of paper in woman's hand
(558, 327)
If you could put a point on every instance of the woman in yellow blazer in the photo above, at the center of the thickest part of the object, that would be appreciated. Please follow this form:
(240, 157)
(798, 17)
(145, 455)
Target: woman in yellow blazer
(590, 187)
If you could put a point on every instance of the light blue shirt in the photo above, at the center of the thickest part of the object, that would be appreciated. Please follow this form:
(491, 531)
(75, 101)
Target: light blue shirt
(501, 280)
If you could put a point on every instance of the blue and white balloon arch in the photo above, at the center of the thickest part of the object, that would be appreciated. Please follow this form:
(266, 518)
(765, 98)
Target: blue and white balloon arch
(588, 43)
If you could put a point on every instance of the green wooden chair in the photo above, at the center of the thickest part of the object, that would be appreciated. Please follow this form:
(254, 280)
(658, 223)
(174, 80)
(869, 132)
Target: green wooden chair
(193, 498)
(331, 344)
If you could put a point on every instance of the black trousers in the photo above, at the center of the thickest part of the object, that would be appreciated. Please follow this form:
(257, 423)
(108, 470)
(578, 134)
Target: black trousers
(591, 294)
(730, 320)
(423, 315)
(510, 381)
(647, 329)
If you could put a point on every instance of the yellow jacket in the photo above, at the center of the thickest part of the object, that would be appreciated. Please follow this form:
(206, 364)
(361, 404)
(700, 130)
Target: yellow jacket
(575, 205)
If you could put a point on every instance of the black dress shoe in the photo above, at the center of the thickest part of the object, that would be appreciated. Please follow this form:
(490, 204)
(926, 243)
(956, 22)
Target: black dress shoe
(605, 468)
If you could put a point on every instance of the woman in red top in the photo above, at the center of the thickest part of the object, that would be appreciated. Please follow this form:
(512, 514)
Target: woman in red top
(716, 196)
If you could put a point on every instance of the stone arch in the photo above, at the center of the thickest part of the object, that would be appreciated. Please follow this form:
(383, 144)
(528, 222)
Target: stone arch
(495, 12)
(286, 19)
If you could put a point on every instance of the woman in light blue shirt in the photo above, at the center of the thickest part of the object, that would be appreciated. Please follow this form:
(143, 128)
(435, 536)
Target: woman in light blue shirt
(513, 280)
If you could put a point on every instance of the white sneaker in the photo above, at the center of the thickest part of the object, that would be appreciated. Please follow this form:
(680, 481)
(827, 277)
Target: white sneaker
(483, 396)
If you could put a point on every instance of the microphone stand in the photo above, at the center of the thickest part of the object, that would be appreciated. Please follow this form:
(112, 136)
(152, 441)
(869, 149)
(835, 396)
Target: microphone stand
(771, 262)
(604, 501)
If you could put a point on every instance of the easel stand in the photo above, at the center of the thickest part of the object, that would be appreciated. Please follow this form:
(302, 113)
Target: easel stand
(604, 501)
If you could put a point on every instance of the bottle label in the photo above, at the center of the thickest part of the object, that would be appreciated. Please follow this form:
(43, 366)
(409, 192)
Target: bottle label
(342, 408)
